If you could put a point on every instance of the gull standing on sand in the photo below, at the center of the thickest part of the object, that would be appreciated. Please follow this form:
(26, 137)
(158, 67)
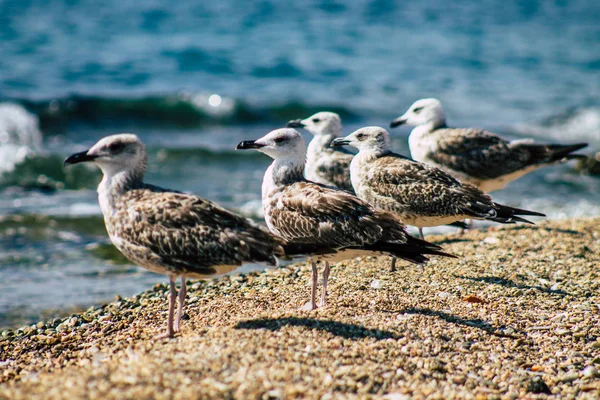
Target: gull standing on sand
(420, 194)
(331, 224)
(475, 156)
(325, 164)
(168, 232)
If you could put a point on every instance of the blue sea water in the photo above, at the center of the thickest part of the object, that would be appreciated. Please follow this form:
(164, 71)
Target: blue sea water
(194, 78)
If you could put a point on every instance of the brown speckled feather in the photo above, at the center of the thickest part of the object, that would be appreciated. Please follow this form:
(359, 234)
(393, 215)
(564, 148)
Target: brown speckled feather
(478, 153)
(306, 211)
(328, 165)
(177, 233)
(399, 184)
(333, 168)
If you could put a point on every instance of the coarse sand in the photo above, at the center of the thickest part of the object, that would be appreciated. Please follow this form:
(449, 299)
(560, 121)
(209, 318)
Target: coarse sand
(516, 316)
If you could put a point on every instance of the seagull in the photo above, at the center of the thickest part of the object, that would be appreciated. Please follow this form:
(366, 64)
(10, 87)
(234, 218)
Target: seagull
(168, 232)
(325, 164)
(331, 224)
(330, 165)
(475, 156)
(420, 194)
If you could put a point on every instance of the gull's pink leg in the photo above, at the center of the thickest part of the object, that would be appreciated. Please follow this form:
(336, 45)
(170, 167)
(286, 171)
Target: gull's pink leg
(326, 272)
(182, 294)
(469, 223)
(172, 296)
(313, 293)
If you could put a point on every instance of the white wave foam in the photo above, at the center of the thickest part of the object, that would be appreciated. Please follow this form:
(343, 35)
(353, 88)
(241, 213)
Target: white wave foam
(20, 135)
(582, 124)
(252, 209)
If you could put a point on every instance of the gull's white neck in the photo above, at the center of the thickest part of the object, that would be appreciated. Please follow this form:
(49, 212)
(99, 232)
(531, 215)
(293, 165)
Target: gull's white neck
(429, 127)
(320, 143)
(361, 159)
(422, 141)
(114, 183)
(280, 173)
(368, 154)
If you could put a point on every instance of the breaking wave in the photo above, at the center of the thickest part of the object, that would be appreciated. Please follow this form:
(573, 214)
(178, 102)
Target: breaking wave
(180, 110)
(44, 171)
(575, 124)
(20, 135)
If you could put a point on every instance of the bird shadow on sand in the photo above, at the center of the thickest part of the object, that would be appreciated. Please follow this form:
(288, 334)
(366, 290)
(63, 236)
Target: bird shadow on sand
(456, 320)
(342, 329)
(451, 240)
(510, 284)
(566, 231)
(520, 227)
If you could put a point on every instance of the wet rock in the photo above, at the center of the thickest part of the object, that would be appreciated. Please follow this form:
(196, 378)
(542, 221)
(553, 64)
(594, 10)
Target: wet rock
(538, 386)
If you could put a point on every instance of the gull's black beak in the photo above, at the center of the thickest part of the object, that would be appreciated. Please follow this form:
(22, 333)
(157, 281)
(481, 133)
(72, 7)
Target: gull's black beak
(295, 123)
(339, 142)
(78, 158)
(248, 144)
(397, 122)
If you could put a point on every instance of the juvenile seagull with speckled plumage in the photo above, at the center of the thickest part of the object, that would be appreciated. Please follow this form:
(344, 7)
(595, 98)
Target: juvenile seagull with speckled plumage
(420, 194)
(325, 164)
(475, 156)
(172, 233)
(329, 224)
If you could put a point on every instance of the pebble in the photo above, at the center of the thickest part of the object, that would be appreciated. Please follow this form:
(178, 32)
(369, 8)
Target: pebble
(376, 284)
(590, 372)
(570, 377)
(397, 396)
(559, 275)
(491, 240)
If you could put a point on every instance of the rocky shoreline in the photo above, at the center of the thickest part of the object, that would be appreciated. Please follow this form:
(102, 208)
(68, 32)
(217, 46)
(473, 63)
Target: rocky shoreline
(517, 315)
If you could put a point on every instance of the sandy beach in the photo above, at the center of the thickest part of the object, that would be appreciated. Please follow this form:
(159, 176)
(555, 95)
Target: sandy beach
(516, 316)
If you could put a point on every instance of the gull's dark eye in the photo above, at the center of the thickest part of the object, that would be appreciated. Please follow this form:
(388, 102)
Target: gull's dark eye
(279, 140)
(316, 120)
(360, 136)
(417, 110)
(116, 147)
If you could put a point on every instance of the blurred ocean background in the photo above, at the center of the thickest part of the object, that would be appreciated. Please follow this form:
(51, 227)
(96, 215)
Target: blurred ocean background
(194, 78)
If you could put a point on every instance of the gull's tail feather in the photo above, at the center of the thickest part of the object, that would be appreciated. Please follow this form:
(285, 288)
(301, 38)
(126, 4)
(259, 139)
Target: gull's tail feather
(459, 224)
(510, 215)
(413, 250)
(552, 153)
